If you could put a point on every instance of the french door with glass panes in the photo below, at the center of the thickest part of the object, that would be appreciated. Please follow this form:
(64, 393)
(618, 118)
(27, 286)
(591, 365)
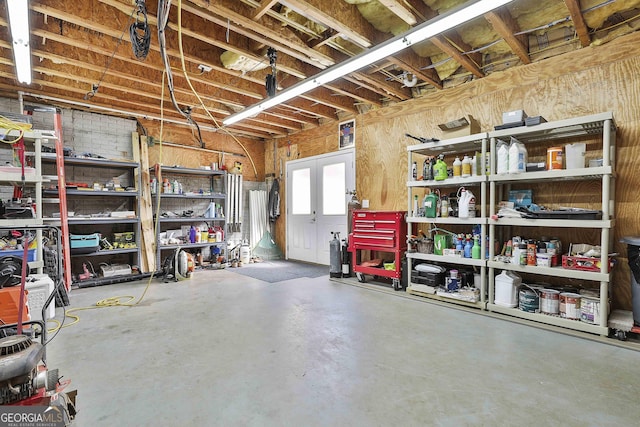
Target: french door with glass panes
(317, 203)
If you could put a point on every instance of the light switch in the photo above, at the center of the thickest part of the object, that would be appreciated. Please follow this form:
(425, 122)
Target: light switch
(365, 204)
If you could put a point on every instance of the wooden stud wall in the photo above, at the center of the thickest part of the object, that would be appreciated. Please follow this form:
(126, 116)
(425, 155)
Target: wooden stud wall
(592, 80)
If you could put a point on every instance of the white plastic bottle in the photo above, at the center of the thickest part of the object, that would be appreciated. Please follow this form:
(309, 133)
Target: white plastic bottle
(514, 156)
(466, 166)
(502, 164)
(457, 167)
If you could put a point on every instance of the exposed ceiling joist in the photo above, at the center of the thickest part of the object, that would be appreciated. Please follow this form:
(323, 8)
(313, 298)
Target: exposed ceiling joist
(454, 46)
(400, 10)
(504, 24)
(578, 22)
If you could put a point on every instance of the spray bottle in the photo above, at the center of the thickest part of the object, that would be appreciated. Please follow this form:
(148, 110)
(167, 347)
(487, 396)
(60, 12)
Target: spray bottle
(476, 249)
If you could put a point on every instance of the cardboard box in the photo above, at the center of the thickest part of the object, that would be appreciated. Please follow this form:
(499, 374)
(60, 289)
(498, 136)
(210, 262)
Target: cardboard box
(463, 126)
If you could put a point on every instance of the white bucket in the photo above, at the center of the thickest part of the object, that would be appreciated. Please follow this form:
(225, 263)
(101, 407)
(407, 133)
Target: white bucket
(506, 289)
(575, 155)
(245, 254)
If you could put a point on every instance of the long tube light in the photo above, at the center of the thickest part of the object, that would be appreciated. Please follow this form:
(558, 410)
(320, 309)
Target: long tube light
(18, 11)
(426, 30)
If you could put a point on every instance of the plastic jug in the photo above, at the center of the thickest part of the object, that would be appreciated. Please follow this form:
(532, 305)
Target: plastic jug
(502, 163)
(506, 288)
(431, 205)
(440, 169)
(466, 203)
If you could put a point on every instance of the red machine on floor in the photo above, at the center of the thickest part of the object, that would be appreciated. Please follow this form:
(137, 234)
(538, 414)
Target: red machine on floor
(25, 379)
(378, 231)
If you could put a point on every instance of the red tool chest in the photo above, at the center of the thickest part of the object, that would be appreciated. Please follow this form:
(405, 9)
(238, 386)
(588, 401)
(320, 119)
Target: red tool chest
(379, 231)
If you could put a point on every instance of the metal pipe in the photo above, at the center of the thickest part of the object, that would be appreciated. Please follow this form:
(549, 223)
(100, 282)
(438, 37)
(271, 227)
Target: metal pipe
(116, 279)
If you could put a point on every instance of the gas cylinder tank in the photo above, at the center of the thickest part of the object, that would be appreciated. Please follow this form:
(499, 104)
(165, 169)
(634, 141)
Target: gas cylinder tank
(335, 259)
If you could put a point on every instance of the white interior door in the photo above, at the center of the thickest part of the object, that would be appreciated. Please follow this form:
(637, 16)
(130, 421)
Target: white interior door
(317, 204)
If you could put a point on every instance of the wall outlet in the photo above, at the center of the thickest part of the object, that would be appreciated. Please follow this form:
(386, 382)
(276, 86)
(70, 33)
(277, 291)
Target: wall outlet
(365, 204)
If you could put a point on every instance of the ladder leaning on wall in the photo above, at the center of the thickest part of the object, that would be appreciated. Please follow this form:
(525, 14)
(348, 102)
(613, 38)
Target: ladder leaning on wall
(62, 189)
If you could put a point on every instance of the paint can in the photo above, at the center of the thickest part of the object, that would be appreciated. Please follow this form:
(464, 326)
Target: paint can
(554, 158)
(528, 300)
(570, 305)
(590, 310)
(549, 301)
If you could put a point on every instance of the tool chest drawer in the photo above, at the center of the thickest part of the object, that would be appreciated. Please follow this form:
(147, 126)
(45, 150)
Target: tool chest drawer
(378, 229)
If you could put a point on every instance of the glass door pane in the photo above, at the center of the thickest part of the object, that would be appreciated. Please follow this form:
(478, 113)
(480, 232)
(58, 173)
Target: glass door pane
(333, 189)
(301, 192)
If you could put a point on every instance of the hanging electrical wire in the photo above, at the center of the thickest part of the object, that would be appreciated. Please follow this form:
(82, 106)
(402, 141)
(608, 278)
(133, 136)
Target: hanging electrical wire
(164, 6)
(186, 76)
(96, 86)
(140, 32)
(271, 80)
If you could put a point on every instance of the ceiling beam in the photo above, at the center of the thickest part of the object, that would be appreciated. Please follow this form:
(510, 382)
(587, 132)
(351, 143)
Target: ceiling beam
(453, 45)
(421, 10)
(578, 22)
(209, 37)
(389, 89)
(326, 97)
(414, 64)
(268, 31)
(264, 7)
(504, 24)
(72, 19)
(355, 92)
(339, 15)
(399, 9)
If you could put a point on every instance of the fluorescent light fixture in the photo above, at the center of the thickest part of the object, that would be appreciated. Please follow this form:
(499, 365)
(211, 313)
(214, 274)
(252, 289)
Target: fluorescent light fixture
(18, 11)
(426, 30)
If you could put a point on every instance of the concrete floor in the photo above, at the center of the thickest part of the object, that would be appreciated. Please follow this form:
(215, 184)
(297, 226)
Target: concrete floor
(227, 350)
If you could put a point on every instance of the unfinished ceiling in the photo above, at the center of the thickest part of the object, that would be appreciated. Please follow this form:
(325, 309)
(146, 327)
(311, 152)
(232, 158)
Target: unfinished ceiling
(83, 57)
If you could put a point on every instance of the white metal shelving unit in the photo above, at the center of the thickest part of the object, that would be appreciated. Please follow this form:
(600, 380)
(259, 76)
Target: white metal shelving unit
(455, 146)
(36, 138)
(215, 179)
(597, 126)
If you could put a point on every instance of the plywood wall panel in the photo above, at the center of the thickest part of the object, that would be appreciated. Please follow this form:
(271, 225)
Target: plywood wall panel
(192, 156)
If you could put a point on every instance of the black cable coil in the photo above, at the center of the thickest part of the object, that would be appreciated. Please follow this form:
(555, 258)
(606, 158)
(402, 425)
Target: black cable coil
(140, 32)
